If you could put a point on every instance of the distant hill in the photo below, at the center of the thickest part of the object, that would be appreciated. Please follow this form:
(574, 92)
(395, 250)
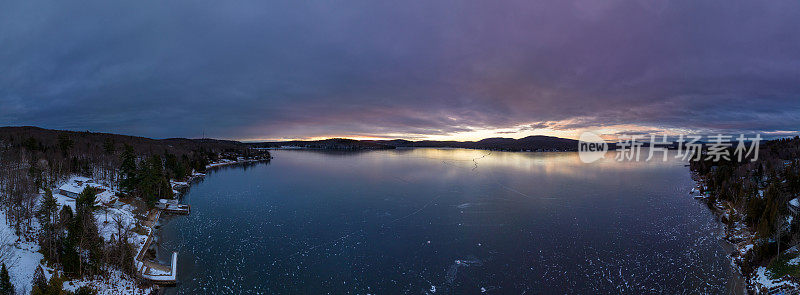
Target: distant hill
(530, 143)
(328, 144)
(92, 142)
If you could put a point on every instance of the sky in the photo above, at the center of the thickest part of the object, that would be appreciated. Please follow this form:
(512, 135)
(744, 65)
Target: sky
(462, 70)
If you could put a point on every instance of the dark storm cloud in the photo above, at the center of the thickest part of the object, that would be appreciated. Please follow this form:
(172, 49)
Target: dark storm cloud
(266, 69)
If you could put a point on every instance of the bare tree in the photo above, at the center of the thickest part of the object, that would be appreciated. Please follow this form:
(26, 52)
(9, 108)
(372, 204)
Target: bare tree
(7, 249)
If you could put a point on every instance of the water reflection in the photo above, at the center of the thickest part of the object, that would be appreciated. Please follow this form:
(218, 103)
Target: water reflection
(449, 221)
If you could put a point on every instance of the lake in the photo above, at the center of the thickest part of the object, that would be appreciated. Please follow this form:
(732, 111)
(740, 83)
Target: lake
(445, 221)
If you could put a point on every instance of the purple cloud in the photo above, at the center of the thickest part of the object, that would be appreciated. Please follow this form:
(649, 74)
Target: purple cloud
(254, 69)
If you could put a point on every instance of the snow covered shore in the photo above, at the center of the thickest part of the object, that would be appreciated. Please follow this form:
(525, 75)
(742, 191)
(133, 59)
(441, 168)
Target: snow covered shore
(21, 253)
(760, 281)
(23, 257)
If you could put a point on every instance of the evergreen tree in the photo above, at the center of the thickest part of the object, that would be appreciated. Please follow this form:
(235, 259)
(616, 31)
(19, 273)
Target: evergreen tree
(199, 162)
(49, 207)
(35, 173)
(109, 146)
(70, 260)
(6, 288)
(174, 167)
(90, 240)
(47, 214)
(67, 254)
(39, 282)
(65, 216)
(54, 287)
(65, 144)
(83, 235)
(128, 171)
(154, 183)
(86, 199)
(85, 291)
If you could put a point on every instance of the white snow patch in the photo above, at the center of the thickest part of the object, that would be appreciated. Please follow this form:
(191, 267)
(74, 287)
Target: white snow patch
(113, 283)
(746, 249)
(23, 257)
(762, 280)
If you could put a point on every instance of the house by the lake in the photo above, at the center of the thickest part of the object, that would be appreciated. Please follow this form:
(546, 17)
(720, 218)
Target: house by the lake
(76, 184)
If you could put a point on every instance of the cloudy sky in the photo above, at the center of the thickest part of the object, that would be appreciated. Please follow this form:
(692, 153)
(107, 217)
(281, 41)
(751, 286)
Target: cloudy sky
(412, 69)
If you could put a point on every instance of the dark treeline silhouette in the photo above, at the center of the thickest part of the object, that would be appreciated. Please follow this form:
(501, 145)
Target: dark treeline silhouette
(758, 194)
(530, 143)
(34, 161)
(326, 144)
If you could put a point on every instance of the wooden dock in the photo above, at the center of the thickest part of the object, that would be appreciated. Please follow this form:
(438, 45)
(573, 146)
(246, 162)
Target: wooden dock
(155, 272)
(172, 206)
(158, 273)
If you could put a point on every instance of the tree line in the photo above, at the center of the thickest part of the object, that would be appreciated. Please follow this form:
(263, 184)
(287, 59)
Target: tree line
(33, 161)
(760, 192)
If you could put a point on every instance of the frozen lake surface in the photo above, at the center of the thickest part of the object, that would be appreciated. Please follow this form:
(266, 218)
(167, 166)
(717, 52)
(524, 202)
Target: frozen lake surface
(445, 221)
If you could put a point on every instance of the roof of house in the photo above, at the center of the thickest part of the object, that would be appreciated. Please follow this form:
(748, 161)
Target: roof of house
(77, 184)
(74, 185)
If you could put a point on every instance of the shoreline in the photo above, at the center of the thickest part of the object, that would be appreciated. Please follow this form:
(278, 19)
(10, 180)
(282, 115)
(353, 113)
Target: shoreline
(731, 246)
(740, 284)
(292, 148)
(738, 242)
(180, 187)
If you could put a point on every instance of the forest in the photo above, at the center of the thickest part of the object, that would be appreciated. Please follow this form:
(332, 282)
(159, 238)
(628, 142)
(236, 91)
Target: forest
(757, 194)
(34, 161)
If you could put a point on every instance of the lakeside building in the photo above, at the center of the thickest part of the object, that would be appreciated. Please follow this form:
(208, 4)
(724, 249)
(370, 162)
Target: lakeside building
(76, 184)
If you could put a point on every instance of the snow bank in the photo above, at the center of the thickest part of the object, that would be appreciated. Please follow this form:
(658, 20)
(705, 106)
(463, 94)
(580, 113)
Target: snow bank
(762, 282)
(107, 226)
(113, 283)
(794, 261)
(23, 257)
(745, 249)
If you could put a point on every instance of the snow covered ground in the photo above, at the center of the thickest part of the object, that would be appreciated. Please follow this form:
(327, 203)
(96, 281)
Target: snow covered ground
(224, 162)
(794, 261)
(762, 282)
(107, 226)
(23, 257)
(64, 200)
(113, 283)
(221, 163)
